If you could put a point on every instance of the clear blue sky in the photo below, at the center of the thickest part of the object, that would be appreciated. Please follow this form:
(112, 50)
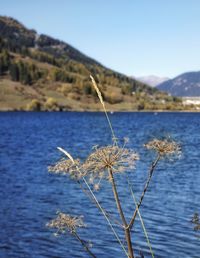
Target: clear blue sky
(135, 37)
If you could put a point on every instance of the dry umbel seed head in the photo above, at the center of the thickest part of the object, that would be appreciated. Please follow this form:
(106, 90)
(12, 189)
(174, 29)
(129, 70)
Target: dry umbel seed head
(114, 157)
(66, 166)
(165, 147)
(196, 222)
(64, 222)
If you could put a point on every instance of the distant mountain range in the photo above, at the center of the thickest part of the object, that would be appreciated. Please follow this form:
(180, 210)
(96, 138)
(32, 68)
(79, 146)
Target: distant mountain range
(184, 85)
(152, 80)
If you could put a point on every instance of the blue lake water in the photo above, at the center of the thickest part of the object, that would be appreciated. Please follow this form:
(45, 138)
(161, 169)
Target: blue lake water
(30, 196)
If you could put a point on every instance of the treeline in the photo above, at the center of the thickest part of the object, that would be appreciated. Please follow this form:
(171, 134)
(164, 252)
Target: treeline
(28, 73)
(11, 46)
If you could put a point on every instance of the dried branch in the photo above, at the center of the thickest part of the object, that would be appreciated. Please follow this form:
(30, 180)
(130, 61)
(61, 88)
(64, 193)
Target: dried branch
(154, 164)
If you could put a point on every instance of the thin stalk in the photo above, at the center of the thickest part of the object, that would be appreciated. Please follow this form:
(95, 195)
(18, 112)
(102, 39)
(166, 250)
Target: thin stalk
(126, 228)
(88, 194)
(141, 220)
(104, 108)
(121, 213)
(84, 245)
(103, 212)
(154, 164)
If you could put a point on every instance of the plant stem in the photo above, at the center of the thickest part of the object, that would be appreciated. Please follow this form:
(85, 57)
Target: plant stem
(126, 228)
(106, 217)
(154, 164)
(84, 245)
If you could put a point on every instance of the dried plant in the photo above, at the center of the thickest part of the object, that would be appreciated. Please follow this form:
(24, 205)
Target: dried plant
(166, 147)
(196, 222)
(66, 167)
(64, 222)
(103, 164)
(67, 223)
(109, 157)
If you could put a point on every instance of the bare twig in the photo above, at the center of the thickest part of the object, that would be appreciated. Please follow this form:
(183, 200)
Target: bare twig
(84, 245)
(154, 164)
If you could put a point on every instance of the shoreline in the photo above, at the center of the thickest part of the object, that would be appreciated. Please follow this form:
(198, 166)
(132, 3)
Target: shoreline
(101, 111)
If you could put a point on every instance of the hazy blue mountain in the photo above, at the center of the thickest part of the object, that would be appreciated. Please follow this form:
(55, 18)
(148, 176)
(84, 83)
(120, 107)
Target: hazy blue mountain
(186, 84)
(152, 80)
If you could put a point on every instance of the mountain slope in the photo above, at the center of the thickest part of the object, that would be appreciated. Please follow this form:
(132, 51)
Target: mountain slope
(186, 84)
(38, 72)
(18, 35)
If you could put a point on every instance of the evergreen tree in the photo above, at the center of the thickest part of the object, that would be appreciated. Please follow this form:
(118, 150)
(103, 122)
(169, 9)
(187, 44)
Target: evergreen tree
(4, 62)
(24, 75)
(14, 72)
